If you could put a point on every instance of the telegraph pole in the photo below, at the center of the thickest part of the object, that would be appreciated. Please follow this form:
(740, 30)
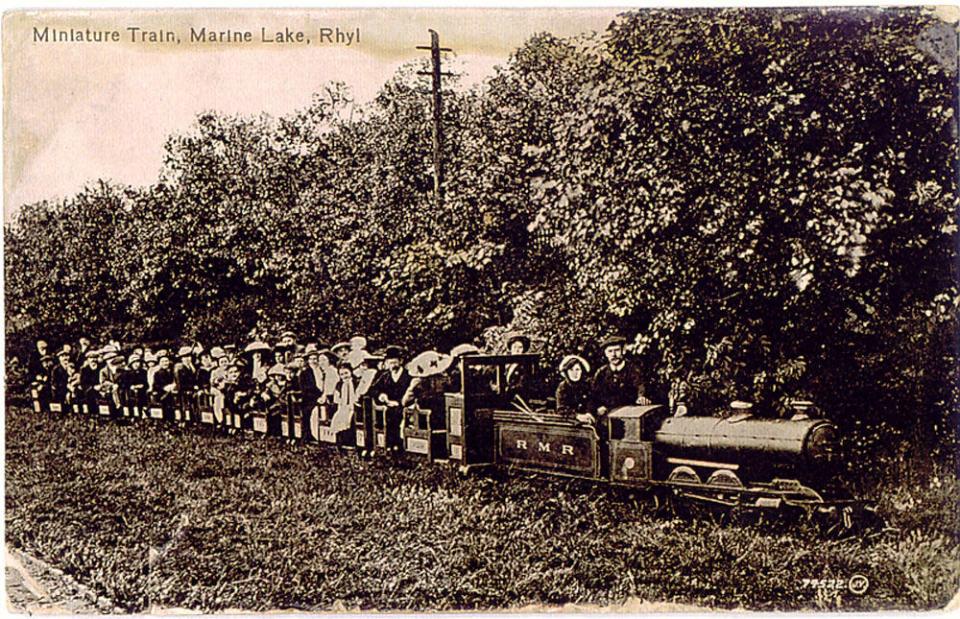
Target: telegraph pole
(436, 74)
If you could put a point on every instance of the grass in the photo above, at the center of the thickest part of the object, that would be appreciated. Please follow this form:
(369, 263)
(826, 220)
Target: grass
(156, 516)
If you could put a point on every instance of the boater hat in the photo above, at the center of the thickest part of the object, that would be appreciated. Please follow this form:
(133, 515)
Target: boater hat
(463, 349)
(185, 351)
(216, 352)
(339, 346)
(253, 347)
(277, 370)
(429, 363)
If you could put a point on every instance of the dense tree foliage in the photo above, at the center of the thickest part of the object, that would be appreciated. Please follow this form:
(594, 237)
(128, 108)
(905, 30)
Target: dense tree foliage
(765, 201)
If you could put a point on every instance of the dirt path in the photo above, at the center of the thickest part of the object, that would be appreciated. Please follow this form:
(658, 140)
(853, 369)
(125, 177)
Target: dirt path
(34, 587)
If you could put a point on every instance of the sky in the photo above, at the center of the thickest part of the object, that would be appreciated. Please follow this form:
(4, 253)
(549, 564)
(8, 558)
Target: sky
(78, 111)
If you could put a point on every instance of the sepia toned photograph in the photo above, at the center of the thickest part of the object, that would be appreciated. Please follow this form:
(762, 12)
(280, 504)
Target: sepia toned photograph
(419, 310)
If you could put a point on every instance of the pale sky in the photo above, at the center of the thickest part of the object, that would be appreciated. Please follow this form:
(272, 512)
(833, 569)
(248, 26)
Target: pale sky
(75, 112)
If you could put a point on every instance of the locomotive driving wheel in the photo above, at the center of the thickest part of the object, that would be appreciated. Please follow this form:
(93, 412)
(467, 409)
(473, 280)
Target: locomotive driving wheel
(674, 497)
(684, 475)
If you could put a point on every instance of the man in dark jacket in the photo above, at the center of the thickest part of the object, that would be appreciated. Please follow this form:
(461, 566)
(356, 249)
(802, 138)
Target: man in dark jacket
(618, 383)
(60, 377)
(133, 383)
(388, 389)
(185, 377)
(90, 379)
(164, 384)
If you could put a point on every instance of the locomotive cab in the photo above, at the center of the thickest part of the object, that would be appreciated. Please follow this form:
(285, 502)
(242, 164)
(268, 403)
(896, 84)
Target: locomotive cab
(469, 412)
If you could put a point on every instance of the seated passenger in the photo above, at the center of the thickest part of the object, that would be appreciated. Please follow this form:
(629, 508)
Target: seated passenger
(90, 377)
(203, 372)
(164, 383)
(366, 372)
(273, 396)
(618, 383)
(388, 389)
(109, 384)
(431, 376)
(345, 398)
(234, 396)
(573, 392)
(133, 382)
(517, 377)
(60, 376)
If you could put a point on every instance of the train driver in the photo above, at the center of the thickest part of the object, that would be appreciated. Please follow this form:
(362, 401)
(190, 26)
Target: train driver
(618, 383)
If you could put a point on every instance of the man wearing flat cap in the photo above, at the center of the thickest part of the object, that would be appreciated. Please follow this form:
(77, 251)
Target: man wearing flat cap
(618, 383)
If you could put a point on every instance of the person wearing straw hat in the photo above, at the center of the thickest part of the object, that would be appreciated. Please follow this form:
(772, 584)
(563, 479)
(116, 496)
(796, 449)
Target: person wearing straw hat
(366, 372)
(152, 369)
(340, 350)
(256, 352)
(574, 394)
(428, 379)
(310, 377)
(218, 373)
(185, 372)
